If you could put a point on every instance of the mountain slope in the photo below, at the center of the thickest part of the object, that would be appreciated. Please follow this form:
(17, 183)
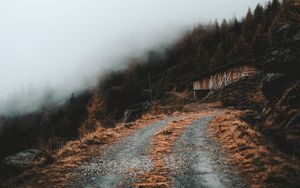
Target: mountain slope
(267, 37)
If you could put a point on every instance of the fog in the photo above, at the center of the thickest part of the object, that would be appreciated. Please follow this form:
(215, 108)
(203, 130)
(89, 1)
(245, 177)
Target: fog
(63, 46)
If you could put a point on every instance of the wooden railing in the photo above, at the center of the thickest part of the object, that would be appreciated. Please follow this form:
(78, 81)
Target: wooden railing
(221, 79)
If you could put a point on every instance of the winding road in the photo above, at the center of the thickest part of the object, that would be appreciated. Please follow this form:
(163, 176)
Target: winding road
(195, 161)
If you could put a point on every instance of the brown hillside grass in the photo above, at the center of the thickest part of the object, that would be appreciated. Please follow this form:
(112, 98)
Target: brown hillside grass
(74, 153)
(257, 159)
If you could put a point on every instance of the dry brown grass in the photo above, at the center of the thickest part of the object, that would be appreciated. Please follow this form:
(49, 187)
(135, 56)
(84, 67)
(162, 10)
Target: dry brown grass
(161, 146)
(74, 153)
(257, 159)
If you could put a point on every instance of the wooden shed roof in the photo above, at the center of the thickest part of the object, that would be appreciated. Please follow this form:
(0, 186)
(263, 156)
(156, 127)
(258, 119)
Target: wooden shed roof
(223, 68)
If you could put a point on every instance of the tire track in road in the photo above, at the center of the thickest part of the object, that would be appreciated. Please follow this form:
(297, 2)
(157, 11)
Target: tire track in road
(161, 147)
(195, 160)
(120, 165)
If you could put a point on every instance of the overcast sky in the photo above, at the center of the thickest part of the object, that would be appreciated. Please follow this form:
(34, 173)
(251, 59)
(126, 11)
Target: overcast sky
(47, 42)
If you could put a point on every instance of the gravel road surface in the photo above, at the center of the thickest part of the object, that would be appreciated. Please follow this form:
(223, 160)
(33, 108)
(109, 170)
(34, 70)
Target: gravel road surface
(196, 160)
(121, 163)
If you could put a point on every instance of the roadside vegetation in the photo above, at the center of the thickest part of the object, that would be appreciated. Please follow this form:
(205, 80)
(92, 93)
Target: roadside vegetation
(251, 40)
(258, 159)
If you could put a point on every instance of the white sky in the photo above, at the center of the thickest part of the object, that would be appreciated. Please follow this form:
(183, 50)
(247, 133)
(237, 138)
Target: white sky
(46, 42)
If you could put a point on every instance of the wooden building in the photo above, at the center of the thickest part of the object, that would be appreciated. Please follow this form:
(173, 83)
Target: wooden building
(222, 76)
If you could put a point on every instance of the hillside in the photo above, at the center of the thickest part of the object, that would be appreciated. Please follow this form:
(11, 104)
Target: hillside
(267, 37)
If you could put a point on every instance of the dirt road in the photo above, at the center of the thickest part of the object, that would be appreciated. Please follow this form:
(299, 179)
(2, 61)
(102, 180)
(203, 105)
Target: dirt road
(195, 160)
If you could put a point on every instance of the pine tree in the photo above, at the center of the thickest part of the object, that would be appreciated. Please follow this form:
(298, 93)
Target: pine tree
(258, 14)
(287, 14)
(236, 25)
(240, 51)
(248, 24)
(218, 57)
(259, 42)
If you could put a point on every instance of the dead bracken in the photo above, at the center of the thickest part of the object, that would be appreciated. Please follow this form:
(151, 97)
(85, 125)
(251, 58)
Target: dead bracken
(257, 158)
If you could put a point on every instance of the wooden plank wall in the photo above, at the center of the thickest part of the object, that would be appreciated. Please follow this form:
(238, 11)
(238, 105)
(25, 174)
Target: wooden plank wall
(221, 79)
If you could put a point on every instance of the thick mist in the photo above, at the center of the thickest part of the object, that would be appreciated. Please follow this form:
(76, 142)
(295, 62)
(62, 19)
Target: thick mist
(53, 48)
